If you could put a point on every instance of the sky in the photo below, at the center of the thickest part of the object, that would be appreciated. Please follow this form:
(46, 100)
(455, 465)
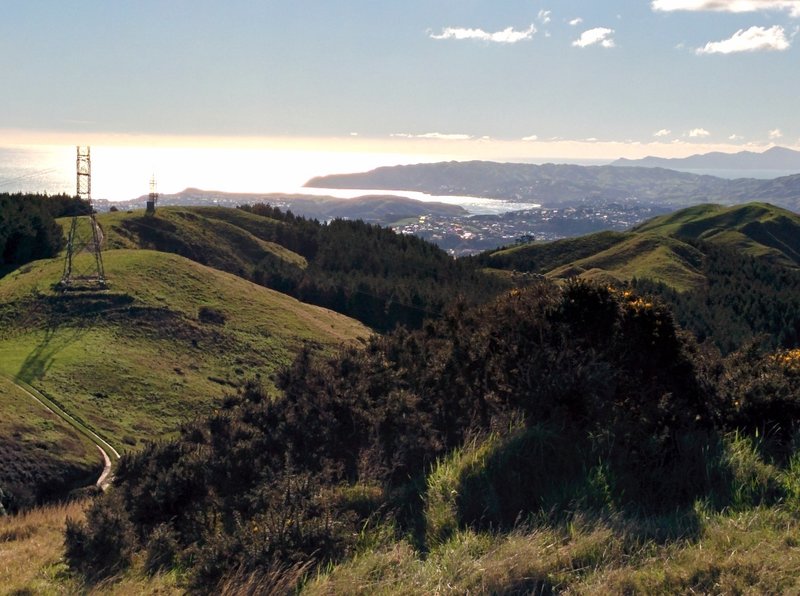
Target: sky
(510, 79)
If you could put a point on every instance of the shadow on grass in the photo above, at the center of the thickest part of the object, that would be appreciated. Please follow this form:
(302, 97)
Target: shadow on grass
(41, 358)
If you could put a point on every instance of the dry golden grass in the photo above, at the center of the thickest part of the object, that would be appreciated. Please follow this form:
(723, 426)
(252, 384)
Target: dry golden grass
(31, 551)
(32, 559)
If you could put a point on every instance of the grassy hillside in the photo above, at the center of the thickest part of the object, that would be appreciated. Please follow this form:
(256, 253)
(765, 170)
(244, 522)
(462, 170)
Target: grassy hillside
(227, 239)
(667, 249)
(162, 345)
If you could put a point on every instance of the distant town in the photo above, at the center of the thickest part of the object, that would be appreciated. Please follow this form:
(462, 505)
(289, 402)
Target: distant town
(463, 235)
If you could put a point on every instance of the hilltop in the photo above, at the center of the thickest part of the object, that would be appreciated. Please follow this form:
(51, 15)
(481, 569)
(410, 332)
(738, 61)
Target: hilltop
(164, 343)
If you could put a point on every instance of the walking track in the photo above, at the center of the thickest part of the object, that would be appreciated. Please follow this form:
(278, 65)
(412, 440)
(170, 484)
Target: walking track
(105, 478)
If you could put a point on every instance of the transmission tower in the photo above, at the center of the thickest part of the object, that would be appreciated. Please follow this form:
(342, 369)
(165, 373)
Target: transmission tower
(85, 236)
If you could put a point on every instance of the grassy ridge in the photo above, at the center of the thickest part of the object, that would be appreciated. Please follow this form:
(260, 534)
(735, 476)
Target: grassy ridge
(666, 249)
(223, 238)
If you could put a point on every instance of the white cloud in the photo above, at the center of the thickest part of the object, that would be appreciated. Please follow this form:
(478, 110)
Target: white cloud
(775, 133)
(576, 21)
(433, 135)
(664, 132)
(507, 35)
(699, 132)
(735, 137)
(598, 35)
(793, 6)
(544, 16)
(754, 39)
(530, 138)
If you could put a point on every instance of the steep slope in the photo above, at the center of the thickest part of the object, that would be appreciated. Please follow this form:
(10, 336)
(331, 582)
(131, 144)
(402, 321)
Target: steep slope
(758, 229)
(163, 344)
(228, 239)
(41, 457)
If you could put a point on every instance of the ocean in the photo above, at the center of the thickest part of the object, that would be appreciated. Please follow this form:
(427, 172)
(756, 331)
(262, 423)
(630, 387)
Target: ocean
(123, 173)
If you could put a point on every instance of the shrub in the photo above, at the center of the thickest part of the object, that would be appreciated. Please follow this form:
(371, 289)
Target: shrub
(211, 315)
(103, 545)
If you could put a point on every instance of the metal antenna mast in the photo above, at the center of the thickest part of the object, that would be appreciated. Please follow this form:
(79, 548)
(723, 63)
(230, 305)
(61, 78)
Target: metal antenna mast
(84, 236)
(153, 199)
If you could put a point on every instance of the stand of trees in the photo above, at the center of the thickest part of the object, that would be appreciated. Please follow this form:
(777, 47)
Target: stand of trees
(28, 230)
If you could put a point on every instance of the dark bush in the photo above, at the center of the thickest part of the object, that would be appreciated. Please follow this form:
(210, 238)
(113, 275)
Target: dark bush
(209, 314)
(103, 545)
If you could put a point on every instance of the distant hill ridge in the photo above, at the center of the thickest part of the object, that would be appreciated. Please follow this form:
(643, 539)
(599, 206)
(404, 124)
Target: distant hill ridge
(564, 184)
(775, 158)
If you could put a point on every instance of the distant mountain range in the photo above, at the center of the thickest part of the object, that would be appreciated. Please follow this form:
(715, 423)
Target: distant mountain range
(552, 184)
(776, 158)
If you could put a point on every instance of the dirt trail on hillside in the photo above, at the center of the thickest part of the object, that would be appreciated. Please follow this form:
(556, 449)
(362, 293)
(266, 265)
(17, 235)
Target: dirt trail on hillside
(105, 477)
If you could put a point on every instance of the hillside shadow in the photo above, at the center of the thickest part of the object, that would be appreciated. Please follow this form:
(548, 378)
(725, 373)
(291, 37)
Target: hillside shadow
(41, 358)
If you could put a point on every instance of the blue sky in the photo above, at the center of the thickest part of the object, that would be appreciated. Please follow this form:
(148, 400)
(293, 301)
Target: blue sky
(513, 78)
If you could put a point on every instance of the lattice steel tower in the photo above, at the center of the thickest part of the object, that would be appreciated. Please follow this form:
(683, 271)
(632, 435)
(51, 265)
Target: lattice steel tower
(84, 235)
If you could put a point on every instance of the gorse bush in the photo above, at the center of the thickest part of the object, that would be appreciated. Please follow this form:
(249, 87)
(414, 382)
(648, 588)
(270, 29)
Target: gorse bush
(591, 396)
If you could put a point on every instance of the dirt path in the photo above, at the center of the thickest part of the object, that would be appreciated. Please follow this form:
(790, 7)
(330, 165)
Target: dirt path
(100, 443)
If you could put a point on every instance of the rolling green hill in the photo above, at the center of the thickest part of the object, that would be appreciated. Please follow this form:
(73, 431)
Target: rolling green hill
(364, 271)
(666, 249)
(162, 345)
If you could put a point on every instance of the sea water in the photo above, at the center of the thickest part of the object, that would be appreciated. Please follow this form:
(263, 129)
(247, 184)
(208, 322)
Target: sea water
(123, 173)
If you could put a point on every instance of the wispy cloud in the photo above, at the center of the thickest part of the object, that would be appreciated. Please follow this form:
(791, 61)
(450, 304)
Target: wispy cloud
(697, 133)
(735, 137)
(544, 16)
(433, 135)
(507, 35)
(597, 36)
(530, 138)
(576, 21)
(793, 6)
(664, 132)
(775, 134)
(754, 39)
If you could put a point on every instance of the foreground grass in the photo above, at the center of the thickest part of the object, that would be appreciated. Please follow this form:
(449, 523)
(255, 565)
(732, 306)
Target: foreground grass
(751, 552)
(32, 559)
(754, 552)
